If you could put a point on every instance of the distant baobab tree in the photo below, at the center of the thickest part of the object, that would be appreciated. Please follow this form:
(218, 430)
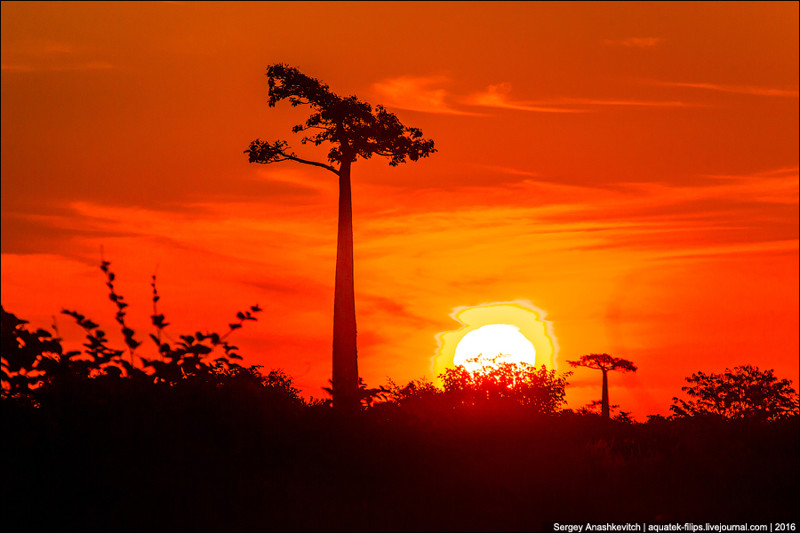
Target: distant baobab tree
(605, 363)
(354, 130)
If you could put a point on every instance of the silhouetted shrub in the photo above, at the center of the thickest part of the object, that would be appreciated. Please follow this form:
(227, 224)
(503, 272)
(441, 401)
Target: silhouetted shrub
(27, 357)
(746, 392)
(540, 390)
(31, 360)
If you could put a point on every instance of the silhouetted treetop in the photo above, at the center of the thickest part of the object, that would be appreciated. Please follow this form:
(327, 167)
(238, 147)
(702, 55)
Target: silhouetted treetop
(604, 361)
(350, 125)
(746, 392)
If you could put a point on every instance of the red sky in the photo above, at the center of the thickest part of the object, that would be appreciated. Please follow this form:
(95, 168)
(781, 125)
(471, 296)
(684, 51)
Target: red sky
(629, 168)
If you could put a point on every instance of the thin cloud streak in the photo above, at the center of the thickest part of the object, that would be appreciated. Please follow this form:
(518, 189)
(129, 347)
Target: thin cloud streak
(641, 103)
(767, 187)
(91, 65)
(49, 55)
(424, 94)
(783, 246)
(497, 96)
(510, 170)
(634, 42)
(739, 89)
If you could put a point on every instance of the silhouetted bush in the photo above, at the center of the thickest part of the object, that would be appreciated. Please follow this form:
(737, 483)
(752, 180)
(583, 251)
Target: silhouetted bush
(541, 390)
(746, 392)
(32, 360)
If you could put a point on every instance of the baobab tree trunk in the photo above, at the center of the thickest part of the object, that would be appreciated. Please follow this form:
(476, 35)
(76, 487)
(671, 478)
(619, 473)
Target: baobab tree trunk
(605, 412)
(345, 362)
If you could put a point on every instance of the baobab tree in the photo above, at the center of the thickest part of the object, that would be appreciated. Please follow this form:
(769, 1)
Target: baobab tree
(353, 130)
(605, 363)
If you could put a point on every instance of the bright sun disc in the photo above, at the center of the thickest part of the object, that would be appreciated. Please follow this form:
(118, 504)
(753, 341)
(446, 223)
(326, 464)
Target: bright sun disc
(515, 328)
(502, 343)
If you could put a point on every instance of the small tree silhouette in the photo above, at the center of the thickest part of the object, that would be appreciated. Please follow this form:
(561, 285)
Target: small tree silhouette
(606, 364)
(746, 392)
(414, 390)
(354, 130)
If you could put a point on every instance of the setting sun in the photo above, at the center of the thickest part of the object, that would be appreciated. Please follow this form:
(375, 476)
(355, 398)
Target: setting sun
(493, 344)
(515, 329)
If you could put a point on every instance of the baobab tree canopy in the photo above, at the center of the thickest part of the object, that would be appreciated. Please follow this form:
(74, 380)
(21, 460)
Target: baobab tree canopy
(604, 361)
(350, 125)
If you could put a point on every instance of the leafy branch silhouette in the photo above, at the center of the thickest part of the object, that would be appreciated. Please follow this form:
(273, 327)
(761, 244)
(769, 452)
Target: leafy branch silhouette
(31, 359)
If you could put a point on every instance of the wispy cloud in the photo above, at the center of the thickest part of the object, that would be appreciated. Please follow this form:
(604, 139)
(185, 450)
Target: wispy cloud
(71, 67)
(426, 94)
(740, 89)
(612, 102)
(635, 42)
(722, 215)
(419, 93)
(773, 187)
(49, 56)
(498, 96)
(789, 245)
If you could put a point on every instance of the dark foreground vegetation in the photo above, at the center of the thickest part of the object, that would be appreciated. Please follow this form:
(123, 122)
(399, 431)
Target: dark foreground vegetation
(108, 454)
(188, 439)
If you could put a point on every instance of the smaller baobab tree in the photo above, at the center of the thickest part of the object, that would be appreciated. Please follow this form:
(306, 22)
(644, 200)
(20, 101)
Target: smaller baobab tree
(605, 363)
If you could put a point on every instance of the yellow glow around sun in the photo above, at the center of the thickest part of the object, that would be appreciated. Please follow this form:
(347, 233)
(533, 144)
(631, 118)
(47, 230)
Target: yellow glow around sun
(516, 329)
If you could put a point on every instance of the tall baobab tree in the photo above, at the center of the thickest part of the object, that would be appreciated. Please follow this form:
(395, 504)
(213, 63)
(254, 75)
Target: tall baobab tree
(354, 130)
(605, 363)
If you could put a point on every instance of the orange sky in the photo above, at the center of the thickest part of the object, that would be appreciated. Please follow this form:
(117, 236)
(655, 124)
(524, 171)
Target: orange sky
(629, 168)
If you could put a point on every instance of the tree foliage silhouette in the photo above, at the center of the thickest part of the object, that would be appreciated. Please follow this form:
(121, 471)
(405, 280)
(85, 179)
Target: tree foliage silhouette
(354, 130)
(414, 391)
(27, 356)
(540, 389)
(746, 392)
(605, 363)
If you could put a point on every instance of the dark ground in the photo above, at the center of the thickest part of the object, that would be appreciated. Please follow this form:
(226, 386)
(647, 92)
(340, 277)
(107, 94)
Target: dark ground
(198, 458)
